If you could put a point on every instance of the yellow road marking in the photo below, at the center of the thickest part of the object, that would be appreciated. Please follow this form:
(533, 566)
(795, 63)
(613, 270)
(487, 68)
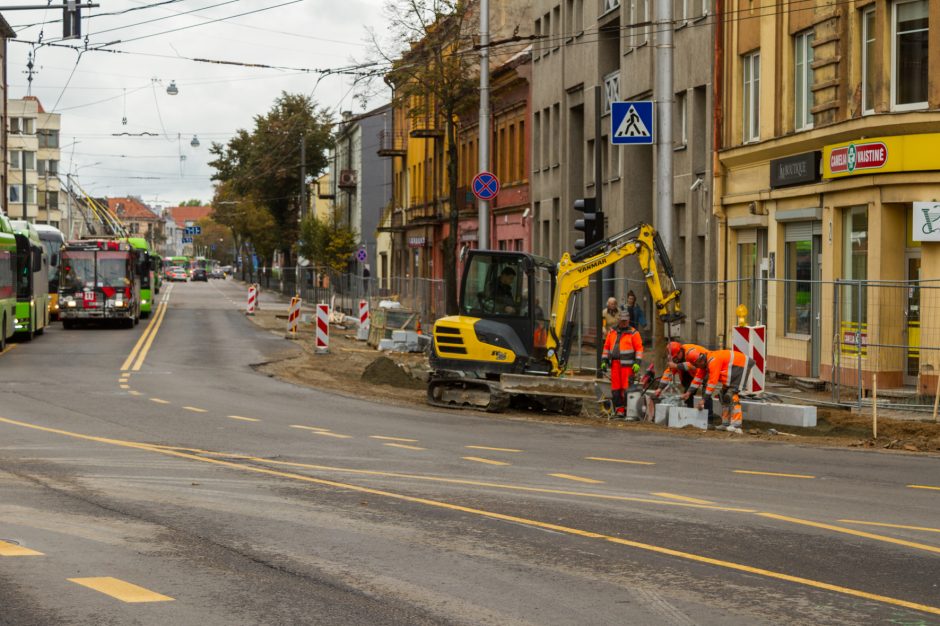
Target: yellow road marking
(125, 386)
(663, 494)
(244, 419)
(135, 393)
(319, 430)
(924, 487)
(143, 339)
(122, 590)
(158, 320)
(9, 347)
(159, 401)
(329, 434)
(11, 549)
(901, 526)
(816, 584)
(487, 461)
(851, 531)
(195, 409)
(773, 474)
(391, 438)
(494, 449)
(578, 479)
(402, 445)
(600, 458)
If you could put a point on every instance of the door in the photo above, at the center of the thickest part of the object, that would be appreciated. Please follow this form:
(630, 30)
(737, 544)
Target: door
(815, 308)
(912, 315)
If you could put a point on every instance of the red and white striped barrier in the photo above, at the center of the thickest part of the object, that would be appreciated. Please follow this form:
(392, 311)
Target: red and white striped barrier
(365, 321)
(323, 328)
(293, 316)
(751, 341)
(252, 300)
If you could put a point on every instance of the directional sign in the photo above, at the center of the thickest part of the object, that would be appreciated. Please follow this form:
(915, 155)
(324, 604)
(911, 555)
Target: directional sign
(631, 123)
(362, 256)
(187, 240)
(193, 230)
(485, 186)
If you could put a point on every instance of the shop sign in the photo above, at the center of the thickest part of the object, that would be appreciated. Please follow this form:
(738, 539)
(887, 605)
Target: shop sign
(416, 242)
(798, 169)
(926, 223)
(858, 156)
(880, 155)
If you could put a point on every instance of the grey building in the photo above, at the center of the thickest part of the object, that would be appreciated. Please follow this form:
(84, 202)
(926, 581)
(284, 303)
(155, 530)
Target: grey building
(361, 180)
(586, 44)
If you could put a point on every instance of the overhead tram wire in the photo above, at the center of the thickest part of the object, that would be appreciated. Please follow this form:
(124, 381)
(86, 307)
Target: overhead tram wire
(106, 14)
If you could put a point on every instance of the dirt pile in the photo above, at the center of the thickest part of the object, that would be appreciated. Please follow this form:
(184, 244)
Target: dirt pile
(384, 371)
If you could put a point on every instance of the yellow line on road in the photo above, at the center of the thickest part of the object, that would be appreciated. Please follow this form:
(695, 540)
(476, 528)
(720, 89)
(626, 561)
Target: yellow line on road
(773, 474)
(688, 556)
(122, 590)
(11, 549)
(578, 479)
(159, 401)
(600, 458)
(487, 461)
(329, 434)
(851, 531)
(493, 449)
(125, 386)
(883, 525)
(158, 320)
(924, 487)
(319, 430)
(135, 393)
(9, 347)
(142, 340)
(244, 419)
(663, 494)
(383, 438)
(195, 409)
(402, 445)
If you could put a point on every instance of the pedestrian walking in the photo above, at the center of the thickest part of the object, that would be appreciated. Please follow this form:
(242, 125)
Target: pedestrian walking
(623, 353)
(610, 314)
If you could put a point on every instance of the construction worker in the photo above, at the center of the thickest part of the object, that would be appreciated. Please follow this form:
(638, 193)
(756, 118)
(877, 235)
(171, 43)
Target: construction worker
(681, 360)
(610, 314)
(728, 371)
(623, 353)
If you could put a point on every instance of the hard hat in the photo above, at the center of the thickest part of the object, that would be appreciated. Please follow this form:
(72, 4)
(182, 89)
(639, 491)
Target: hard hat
(673, 349)
(692, 355)
(623, 317)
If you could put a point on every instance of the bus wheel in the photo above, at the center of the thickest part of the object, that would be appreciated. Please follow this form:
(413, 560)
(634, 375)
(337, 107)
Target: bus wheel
(68, 324)
(3, 335)
(144, 315)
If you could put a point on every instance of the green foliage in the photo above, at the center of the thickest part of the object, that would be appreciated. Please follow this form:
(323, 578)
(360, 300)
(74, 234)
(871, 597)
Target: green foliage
(327, 243)
(248, 220)
(218, 235)
(192, 202)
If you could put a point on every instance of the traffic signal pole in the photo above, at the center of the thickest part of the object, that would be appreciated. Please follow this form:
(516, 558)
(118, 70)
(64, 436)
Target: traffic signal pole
(483, 206)
(600, 279)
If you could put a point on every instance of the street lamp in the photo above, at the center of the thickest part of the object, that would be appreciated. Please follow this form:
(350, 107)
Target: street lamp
(195, 142)
(172, 89)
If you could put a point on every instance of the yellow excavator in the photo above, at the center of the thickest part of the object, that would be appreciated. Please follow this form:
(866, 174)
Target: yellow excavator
(517, 322)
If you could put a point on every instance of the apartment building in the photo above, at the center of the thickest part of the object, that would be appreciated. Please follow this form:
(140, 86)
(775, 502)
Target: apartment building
(592, 53)
(827, 168)
(5, 33)
(33, 188)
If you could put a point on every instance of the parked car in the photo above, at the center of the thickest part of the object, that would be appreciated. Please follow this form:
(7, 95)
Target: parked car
(200, 274)
(177, 274)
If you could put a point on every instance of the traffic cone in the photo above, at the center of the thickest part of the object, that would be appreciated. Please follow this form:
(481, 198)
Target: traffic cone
(418, 328)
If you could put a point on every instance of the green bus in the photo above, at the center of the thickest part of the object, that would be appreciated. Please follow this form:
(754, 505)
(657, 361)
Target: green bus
(144, 274)
(52, 240)
(179, 261)
(32, 280)
(7, 281)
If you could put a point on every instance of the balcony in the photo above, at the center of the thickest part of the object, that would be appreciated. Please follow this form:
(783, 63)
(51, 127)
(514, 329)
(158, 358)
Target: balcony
(392, 144)
(422, 213)
(425, 127)
(396, 221)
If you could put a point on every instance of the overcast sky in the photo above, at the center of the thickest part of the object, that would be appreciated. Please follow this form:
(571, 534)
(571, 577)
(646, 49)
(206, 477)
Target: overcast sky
(213, 101)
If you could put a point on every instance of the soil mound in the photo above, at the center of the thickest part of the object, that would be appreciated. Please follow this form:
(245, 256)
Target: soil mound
(384, 371)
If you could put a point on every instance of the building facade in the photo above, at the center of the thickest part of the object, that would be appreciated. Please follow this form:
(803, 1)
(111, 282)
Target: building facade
(33, 189)
(5, 33)
(589, 55)
(826, 170)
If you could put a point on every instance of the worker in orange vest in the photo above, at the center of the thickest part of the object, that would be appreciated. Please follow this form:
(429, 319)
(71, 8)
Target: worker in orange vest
(681, 360)
(729, 372)
(623, 353)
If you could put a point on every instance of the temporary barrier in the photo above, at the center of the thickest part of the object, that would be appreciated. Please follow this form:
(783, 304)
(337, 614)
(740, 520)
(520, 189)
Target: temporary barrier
(293, 314)
(751, 341)
(323, 328)
(252, 299)
(365, 321)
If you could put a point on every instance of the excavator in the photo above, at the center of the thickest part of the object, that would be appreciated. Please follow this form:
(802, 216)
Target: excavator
(518, 319)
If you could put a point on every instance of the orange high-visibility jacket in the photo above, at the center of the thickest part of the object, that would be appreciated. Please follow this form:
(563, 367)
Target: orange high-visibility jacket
(716, 369)
(623, 345)
(692, 352)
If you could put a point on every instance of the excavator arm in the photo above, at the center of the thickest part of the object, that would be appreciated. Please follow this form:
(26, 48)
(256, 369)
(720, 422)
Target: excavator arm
(575, 271)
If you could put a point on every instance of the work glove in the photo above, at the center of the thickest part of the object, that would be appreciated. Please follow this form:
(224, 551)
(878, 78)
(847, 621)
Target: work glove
(604, 365)
(636, 368)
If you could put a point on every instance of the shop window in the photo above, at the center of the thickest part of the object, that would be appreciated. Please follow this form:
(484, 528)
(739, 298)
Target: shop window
(909, 51)
(799, 275)
(803, 80)
(855, 263)
(751, 93)
(868, 66)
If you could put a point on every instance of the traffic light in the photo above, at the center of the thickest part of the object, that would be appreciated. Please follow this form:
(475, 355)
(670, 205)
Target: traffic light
(592, 224)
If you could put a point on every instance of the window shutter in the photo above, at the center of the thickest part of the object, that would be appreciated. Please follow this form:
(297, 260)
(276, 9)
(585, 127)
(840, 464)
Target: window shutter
(747, 235)
(799, 231)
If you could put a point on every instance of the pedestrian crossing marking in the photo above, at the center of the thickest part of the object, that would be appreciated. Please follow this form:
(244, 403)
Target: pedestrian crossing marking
(632, 125)
(121, 590)
(11, 549)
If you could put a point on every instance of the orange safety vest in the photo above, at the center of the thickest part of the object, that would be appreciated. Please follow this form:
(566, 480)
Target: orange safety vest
(716, 369)
(623, 345)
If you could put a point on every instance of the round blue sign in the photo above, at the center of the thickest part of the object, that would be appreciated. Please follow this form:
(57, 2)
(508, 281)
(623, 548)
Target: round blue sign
(485, 186)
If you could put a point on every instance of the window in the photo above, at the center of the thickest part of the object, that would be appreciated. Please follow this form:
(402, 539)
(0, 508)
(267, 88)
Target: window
(611, 90)
(681, 131)
(48, 139)
(48, 167)
(28, 125)
(855, 263)
(539, 43)
(803, 80)
(556, 26)
(868, 67)
(16, 194)
(751, 96)
(511, 152)
(16, 163)
(536, 139)
(909, 76)
(610, 5)
(521, 152)
(49, 200)
(799, 274)
(556, 134)
(15, 126)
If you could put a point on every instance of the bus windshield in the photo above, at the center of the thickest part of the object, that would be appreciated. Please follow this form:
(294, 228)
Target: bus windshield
(78, 266)
(24, 278)
(53, 248)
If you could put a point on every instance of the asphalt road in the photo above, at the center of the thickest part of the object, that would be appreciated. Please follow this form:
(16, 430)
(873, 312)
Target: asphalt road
(151, 476)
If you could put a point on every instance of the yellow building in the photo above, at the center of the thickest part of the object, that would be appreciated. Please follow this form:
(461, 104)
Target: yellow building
(828, 127)
(322, 197)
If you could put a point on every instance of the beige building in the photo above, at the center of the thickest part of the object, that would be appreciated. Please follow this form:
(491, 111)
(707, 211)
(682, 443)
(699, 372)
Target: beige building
(5, 33)
(33, 160)
(569, 62)
(828, 171)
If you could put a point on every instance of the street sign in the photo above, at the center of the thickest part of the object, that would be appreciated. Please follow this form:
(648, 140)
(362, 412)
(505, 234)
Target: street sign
(485, 186)
(631, 123)
(193, 230)
(362, 256)
(187, 240)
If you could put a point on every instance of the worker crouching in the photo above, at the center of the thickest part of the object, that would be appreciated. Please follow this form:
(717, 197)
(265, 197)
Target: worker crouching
(623, 353)
(727, 371)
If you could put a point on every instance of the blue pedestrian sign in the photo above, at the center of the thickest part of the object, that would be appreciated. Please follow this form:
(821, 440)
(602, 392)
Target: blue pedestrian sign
(631, 123)
(485, 186)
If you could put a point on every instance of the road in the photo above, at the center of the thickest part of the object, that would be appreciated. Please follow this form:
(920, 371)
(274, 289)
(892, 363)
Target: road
(151, 476)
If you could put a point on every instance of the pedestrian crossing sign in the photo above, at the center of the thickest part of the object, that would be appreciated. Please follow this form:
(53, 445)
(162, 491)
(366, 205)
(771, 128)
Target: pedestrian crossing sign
(631, 123)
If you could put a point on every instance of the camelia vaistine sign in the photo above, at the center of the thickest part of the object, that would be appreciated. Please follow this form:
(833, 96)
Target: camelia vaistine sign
(858, 156)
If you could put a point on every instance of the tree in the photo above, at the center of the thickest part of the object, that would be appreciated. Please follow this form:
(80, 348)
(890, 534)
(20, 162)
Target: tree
(216, 240)
(192, 202)
(264, 164)
(249, 221)
(329, 244)
(434, 78)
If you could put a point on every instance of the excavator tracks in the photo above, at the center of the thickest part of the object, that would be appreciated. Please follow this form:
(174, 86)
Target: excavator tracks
(461, 393)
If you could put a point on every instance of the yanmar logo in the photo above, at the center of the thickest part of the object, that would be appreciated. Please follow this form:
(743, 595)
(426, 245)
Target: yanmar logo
(858, 156)
(590, 266)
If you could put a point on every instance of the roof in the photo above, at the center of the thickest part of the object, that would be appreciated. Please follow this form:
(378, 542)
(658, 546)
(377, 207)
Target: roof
(182, 214)
(39, 108)
(131, 209)
(5, 29)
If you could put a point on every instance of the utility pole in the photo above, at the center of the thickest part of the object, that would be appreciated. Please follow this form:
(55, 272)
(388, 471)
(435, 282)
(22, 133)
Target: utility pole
(68, 203)
(25, 187)
(662, 94)
(483, 206)
(303, 177)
